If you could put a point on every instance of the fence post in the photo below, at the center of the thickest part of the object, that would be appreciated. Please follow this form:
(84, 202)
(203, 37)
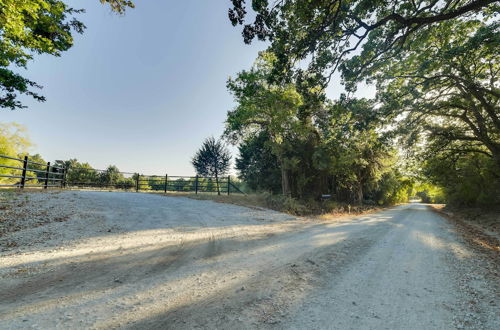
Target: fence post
(137, 182)
(47, 176)
(228, 184)
(166, 183)
(196, 186)
(25, 167)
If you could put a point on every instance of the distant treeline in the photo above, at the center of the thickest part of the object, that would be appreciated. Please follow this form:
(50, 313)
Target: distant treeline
(84, 175)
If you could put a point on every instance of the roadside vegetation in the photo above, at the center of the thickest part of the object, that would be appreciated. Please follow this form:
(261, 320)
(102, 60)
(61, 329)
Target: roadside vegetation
(432, 130)
(280, 203)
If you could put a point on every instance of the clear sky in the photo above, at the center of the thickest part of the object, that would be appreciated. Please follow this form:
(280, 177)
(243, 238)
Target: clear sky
(140, 91)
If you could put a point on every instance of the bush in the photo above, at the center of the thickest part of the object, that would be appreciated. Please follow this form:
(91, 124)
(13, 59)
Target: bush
(392, 189)
(285, 204)
(431, 194)
(471, 180)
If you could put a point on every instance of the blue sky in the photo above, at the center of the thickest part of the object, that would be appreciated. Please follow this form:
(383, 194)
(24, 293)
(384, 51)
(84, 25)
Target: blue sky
(140, 91)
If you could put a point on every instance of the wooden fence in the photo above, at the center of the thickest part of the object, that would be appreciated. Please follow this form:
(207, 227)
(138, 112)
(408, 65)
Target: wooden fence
(25, 175)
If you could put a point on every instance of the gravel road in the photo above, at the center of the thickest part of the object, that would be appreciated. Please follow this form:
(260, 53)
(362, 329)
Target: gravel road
(142, 261)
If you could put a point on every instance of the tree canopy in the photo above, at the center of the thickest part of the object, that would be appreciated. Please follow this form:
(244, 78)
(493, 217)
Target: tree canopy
(435, 68)
(447, 87)
(353, 35)
(213, 159)
(33, 27)
(331, 147)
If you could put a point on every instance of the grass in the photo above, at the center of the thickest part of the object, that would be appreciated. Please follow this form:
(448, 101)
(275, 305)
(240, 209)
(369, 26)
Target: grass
(323, 209)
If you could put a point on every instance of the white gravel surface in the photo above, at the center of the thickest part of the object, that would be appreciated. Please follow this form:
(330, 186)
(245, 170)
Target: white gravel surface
(126, 260)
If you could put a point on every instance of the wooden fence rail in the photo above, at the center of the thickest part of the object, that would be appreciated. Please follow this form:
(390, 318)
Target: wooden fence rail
(28, 173)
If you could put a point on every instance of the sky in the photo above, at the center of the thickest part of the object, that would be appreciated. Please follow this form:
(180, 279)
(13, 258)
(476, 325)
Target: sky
(140, 91)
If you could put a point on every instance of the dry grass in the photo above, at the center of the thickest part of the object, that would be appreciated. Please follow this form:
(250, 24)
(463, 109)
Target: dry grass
(324, 210)
(252, 201)
(479, 226)
(357, 210)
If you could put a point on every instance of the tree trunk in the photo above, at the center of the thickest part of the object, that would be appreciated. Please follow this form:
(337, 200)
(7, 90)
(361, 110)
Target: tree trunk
(359, 194)
(285, 181)
(217, 183)
(333, 189)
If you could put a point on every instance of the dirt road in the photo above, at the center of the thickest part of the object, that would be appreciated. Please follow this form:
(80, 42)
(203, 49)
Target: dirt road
(126, 260)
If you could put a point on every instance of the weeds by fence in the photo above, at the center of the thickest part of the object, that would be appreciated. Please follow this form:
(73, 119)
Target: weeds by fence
(25, 176)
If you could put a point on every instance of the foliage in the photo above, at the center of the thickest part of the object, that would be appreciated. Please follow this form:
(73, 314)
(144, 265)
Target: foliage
(274, 110)
(259, 168)
(352, 151)
(213, 159)
(393, 188)
(429, 193)
(35, 27)
(83, 174)
(437, 92)
(352, 35)
(79, 172)
(14, 142)
(119, 6)
(39, 165)
(182, 184)
(445, 89)
(111, 175)
(467, 179)
(289, 205)
(442, 94)
(318, 146)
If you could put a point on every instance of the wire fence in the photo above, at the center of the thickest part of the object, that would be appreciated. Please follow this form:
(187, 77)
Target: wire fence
(24, 173)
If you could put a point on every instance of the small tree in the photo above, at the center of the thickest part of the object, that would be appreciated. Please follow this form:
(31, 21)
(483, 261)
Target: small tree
(213, 159)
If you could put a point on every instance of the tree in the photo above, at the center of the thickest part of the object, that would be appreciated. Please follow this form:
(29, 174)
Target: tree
(258, 167)
(446, 88)
(393, 188)
(442, 95)
(467, 179)
(213, 159)
(14, 142)
(79, 173)
(119, 6)
(319, 146)
(351, 35)
(352, 152)
(35, 27)
(39, 166)
(111, 176)
(266, 107)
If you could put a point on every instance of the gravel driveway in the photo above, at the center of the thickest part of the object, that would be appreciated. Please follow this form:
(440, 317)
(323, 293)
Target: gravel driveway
(126, 260)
